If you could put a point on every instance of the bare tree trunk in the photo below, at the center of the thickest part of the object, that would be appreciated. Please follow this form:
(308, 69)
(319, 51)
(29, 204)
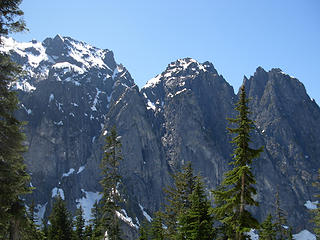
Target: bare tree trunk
(239, 235)
(14, 229)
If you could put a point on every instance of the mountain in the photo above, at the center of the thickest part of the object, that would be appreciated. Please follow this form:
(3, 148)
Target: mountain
(72, 93)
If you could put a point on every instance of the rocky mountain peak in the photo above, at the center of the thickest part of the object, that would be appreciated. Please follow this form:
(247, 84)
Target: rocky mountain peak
(181, 69)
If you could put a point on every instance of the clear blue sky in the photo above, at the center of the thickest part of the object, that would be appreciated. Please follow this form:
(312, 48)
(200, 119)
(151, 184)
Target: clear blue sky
(237, 36)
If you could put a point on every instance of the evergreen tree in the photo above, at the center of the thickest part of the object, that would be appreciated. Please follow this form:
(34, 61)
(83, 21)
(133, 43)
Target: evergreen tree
(196, 223)
(111, 185)
(177, 198)
(31, 230)
(88, 232)
(79, 225)
(13, 176)
(11, 17)
(267, 229)
(316, 212)
(96, 229)
(238, 184)
(60, 221)
(282, 230)
(157, 230)
(144, 231)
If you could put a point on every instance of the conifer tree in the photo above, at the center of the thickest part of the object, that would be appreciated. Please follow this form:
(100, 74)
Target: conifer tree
(267, 229)
(13, 176)
(177, 198)
(282, 230)
(111, 182)
(144, 231)
(96, 229)
(79, 225)
(316, 212)
(88, 235)
(30, 229)
(196, 223)
(60, 221)
(157, 230)
(11, 17)
(238, 189)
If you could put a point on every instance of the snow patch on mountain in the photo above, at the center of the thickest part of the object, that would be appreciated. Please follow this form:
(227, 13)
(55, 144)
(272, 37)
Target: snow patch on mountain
(34, 51)
(304, 235)
(23, 86)
(87, 203)
(124, 217)
(150, 105)
(311, 205)
(253, 235)
(153, 81)
(56, 192)
(180, 69)
(71, 170)
(145, 214)
(68, 67)
(86, 54)
(95, 101)
(81, 169)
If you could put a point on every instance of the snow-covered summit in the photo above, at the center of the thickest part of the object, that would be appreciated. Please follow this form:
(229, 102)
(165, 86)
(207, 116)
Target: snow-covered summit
(63, 59)
(180, 69)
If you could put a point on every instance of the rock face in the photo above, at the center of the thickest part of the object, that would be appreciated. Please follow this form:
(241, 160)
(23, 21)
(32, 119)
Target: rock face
(66, 92)
(72, 93)
(287, 120)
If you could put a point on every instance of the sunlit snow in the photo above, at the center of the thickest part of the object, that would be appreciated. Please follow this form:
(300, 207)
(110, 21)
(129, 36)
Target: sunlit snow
(51, 97)
(68, 67)
(95, 101)
(57, 191)
(304, 235)
(81, 169)
(311, 205)
(23, 86)
(22, 50)
(151, 105)
(253, 235)
(124, 217)
(153, 81)
(145, 214)
(71, 170)
(60, 123)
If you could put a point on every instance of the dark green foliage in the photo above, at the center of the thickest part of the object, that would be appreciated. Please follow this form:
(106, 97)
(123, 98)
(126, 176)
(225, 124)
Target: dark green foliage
(196, 223)
(237, 191)
(316, 212)
(11, 17)
(157, 230)
(88, 232)
(95, 229)
(111, 182)
(144, 231)
(267, 229)
(13, 177)
(177, 198)
(282, 231)
(60, 227)
(31, 229)
(79, 225)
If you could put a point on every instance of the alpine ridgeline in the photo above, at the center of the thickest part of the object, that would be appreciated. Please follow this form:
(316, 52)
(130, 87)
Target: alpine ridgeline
(72, 93)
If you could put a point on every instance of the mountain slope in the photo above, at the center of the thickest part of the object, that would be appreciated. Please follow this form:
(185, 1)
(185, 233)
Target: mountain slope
(72, 93)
